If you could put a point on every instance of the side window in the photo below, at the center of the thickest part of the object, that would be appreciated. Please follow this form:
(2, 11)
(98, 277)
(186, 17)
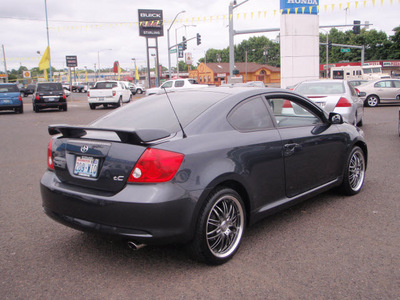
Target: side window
(167, 84)
(396, 84)
(291, 114)
(250, 115)
(179, 83)
(383, 84)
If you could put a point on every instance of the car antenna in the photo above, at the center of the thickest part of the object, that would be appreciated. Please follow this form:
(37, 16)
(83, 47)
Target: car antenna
(179, 122)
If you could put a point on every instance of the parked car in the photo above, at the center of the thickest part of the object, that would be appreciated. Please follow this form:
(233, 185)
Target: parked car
(198, 167)
(10, 98)
(28, 90)
(334, 95)
(379, 91)
(109, 92)
(80, 87)
(175, 85)
(49, 95)
(140, 89)
(130, 86)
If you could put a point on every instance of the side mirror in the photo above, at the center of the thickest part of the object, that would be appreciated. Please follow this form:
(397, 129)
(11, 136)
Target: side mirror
(335, 118)
(362, 94)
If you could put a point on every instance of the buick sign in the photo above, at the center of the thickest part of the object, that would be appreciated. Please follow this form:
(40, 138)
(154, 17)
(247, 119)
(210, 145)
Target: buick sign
(151, 23)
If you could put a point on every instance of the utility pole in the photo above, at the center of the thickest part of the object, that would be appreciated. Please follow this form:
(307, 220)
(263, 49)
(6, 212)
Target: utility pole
(5, 63)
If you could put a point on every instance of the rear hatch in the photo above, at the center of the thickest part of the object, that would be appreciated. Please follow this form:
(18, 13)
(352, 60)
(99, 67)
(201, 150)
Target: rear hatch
(98, 164)
(50, 92)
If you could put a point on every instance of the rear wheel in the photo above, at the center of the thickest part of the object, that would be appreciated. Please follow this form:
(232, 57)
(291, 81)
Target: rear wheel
(354, 174)
(119, 102)
(139, 91)
(372, 101)
(35, 108)
(220, 227)
(92, 106)
(65, 107)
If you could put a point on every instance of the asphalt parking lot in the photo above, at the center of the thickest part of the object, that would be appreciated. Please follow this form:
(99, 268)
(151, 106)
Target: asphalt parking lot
(329, 247)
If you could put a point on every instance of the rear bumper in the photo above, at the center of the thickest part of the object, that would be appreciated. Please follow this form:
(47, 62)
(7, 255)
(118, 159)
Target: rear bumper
(50, 104)
(101, 100)
(10, 106)
(149, 214)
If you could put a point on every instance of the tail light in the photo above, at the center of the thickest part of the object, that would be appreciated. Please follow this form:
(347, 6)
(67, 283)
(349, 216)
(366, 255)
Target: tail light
(156, 166)
(20, 98)
(114, 93)
(64, 97)
(357, 91)
(287, 104)
(37, 96)
(88, 93)
(343, 102)
(50, 164)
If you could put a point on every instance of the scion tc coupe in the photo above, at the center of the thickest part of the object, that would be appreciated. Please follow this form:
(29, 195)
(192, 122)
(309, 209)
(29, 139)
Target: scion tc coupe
(198, 166)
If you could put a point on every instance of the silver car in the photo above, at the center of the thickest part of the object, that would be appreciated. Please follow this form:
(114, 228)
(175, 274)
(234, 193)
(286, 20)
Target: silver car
(382, 90)
(334, 96)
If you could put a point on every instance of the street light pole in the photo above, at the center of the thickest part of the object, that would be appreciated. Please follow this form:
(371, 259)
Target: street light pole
(169, 54)
(232, 6)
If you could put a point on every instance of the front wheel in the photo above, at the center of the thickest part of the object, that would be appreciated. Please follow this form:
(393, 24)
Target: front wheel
(372, 101)
(220, 227)
(354, 174)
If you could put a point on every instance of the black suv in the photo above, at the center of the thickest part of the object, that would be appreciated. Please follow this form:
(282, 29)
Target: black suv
(49, 95)
(28, 90)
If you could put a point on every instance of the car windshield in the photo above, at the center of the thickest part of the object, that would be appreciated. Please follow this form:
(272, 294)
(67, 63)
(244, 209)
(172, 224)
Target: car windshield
(320, 88)
(42, 87)
(105, 85)
(8, 88)
(155, 112)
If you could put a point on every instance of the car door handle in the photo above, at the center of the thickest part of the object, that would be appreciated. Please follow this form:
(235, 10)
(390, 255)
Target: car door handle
(290, 149)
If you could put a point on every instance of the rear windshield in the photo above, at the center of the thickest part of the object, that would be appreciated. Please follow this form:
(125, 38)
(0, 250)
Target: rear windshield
(9, 88)
(318, 88)
(155, 112)
(105, 85)
(43, 87)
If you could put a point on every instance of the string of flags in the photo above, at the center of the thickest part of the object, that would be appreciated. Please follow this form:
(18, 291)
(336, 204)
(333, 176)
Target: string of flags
(325, 8)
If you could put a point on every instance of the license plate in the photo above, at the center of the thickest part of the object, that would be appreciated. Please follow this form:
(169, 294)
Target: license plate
(86, 166)
(101, 99)
(6, 101)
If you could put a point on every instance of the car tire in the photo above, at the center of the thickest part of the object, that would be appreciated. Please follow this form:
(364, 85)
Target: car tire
(372, 101)
(354, 173)
(65, 107)
(119, 102)
(92, 106)
(220, 227)
(20, 110)
(360, 123)
(139, 91)
(35, 108)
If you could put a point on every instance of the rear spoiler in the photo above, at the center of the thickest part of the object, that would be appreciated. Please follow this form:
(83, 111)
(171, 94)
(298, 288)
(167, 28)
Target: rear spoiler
(134, 137)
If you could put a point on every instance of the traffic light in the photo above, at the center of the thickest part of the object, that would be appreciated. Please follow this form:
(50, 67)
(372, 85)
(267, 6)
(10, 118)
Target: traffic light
(198, 36)
(356, 27)
(184, 43)
(330, 45)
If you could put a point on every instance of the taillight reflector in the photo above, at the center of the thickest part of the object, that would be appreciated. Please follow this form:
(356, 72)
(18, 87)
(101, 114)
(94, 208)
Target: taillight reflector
(343, 102)
(37, 97)
(114, 93)
(50, 164)
(156, 166)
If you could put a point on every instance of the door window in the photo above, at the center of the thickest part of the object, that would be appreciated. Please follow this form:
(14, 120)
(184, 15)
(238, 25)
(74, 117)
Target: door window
(291, 114)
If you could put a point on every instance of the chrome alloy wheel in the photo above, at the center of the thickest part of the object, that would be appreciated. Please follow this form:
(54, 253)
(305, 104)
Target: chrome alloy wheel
(224, 227)
(356, 170)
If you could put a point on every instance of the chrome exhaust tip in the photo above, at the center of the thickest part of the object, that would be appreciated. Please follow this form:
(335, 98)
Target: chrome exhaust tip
(134, 246)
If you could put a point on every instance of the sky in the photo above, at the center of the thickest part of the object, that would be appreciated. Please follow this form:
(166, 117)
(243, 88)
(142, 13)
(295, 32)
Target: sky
(108, 31)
